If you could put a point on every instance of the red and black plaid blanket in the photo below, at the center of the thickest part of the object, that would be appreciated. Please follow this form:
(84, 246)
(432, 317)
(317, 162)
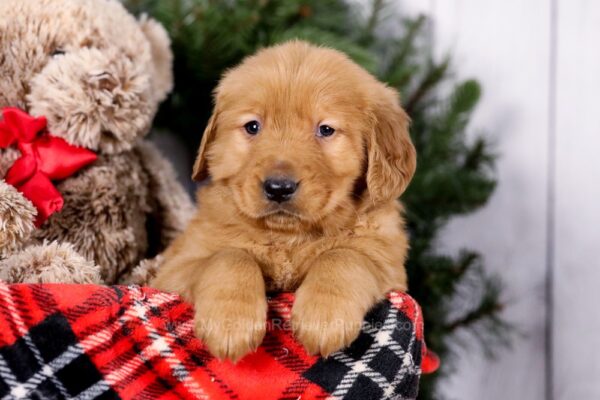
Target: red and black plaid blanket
(93, 342)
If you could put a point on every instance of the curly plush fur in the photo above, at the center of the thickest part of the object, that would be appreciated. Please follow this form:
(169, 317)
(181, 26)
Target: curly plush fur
(98, 75)
(47, 261)
(16, 219)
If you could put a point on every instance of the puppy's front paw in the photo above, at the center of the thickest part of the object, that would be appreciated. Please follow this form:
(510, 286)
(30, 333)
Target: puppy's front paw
(325, 323)
(231, 328)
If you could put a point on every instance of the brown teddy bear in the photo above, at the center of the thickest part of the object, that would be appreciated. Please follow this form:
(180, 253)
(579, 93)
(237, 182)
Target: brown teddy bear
(97, 75)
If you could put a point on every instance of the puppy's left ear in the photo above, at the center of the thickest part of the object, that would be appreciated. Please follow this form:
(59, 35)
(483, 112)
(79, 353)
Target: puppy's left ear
(200, 170)
(392, 158)
(162, 57)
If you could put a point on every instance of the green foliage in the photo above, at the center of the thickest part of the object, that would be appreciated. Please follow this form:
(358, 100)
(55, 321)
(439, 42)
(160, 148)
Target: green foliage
(460, 300)
(210, 36)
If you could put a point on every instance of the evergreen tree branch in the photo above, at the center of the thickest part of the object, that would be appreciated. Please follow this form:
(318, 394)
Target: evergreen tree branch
(372, 22)
(435, 74)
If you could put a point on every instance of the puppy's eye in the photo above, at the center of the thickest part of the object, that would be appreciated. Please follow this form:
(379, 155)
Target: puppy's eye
(57, 52)
(252, 127)
(325, 130)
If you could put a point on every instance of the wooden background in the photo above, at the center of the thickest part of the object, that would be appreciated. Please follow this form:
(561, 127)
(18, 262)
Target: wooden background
(539, 64)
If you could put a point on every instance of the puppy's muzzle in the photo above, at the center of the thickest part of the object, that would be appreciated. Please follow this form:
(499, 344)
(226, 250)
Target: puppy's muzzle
(279, 190)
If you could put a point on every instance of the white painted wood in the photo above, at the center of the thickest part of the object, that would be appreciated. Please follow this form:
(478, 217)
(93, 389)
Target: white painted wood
(415, 7)
(577, 277)
(505, 45)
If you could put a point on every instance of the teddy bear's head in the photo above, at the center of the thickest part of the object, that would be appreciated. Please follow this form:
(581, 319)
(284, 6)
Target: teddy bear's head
(94, 71)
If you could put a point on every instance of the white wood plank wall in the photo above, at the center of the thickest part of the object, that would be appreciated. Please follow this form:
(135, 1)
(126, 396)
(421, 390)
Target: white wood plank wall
(577, 209)
(539, 64)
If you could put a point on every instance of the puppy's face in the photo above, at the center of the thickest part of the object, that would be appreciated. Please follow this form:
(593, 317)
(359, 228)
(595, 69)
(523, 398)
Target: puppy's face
(300, 132)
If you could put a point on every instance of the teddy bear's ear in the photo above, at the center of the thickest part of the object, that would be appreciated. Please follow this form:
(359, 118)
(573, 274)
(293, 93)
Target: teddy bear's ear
(160, 45)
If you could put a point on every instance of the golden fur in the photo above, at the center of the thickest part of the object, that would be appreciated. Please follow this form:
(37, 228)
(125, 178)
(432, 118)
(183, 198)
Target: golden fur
(340, 242)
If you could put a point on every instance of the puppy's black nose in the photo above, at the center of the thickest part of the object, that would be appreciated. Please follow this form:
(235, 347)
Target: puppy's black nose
(279, 189)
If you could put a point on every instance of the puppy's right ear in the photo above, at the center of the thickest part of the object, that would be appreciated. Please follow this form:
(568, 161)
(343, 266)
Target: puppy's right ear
(200, 171)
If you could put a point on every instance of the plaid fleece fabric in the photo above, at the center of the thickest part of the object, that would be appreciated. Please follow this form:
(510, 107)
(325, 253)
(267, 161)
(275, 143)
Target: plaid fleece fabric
(94, 342)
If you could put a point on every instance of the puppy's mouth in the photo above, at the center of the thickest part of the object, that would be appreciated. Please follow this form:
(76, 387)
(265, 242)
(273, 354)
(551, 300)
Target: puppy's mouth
(281, 212)
(283, 218)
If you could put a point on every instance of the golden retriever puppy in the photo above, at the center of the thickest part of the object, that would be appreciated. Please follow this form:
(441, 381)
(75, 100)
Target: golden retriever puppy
(306, 154)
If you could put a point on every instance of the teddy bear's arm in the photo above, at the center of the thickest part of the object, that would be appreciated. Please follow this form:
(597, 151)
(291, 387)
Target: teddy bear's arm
(172, 206)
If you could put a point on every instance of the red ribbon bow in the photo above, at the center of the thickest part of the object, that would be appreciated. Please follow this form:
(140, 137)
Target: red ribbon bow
(44, 158)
